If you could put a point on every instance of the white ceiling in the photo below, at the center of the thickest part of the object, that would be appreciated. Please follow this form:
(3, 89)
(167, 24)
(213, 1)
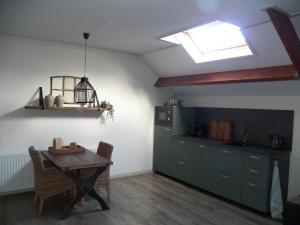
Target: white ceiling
(126, 25)
(135, 26)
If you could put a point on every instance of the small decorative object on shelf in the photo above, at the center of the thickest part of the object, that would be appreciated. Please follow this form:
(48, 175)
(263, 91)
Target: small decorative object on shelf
(57, 143)
(59, 101)
(109, 108)
(174, 101)
(49, 101)
(73, 144)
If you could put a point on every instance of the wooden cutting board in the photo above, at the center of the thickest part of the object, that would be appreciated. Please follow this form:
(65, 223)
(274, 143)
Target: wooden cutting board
(220, 130)
(213, 129)
(228, 127)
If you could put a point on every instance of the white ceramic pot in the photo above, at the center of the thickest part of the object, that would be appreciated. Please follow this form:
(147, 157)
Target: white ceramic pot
(49, 101)
(59, 101)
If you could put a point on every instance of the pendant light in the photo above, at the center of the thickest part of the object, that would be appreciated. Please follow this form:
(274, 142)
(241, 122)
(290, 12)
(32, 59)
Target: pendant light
(84, 92)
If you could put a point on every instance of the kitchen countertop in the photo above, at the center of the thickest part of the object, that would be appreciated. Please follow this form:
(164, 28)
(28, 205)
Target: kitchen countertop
(222, 144)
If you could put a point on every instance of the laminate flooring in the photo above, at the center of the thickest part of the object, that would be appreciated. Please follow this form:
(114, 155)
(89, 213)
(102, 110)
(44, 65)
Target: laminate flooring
(148, 199)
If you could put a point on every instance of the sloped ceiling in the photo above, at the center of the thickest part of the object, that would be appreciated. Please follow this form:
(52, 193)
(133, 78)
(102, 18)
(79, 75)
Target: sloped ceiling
(135, 26)
(263, 38)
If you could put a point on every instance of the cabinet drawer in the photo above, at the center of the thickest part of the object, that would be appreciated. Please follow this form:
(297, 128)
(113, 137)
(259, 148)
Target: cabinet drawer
(182, 149)
(228, 160)
(259, 175)
(255, 195)
(202, 166)
(256, 160)
(227, 185)
(182, 170)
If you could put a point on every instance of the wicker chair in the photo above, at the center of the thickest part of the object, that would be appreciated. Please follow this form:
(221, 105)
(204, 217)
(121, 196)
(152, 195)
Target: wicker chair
(103, 181)
(49, 181)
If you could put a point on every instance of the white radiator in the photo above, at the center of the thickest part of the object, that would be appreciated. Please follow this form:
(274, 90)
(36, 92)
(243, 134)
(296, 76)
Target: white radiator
(16, 173)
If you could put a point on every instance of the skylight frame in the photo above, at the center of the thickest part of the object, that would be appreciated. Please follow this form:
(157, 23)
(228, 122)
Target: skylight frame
(199, 55)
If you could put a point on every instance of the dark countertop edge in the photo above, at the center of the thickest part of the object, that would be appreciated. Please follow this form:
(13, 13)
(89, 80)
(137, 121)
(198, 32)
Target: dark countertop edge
(256, 149)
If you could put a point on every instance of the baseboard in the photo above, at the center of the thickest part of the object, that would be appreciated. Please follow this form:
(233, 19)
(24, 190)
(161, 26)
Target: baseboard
(16, 192)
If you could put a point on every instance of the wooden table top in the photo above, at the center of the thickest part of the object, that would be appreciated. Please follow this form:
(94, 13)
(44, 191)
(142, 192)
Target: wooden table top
(74, 161)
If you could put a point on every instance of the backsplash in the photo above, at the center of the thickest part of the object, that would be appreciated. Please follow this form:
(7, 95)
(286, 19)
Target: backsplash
(261, 124)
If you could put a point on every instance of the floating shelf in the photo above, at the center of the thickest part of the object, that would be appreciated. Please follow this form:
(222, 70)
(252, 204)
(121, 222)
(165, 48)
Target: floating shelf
(89, 109)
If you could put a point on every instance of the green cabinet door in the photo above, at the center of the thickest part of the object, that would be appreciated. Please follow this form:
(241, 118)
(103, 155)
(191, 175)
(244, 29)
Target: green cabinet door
(162, 148)
(226, 185)
(256, 185)
(202, 166)
(182, 154)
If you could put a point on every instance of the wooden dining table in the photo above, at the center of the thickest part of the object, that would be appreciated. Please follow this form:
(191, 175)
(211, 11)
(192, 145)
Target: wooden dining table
(72, 164)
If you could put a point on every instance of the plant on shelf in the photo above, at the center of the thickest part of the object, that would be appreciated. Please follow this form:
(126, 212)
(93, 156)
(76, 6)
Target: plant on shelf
(109, 108)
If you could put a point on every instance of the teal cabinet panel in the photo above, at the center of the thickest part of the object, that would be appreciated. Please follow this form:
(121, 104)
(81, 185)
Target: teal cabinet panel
(182, 149)
(182, 170)
(202, 166)
(228, 160)
(162, 149)
(255, 195)
(256, 187)
(227, 185)
(256, 160)
(181, 117)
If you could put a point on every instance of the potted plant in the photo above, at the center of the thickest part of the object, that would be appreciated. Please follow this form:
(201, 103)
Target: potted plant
(109, 108)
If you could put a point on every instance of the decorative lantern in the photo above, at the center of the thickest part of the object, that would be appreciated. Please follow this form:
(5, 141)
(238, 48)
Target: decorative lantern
(84, 92)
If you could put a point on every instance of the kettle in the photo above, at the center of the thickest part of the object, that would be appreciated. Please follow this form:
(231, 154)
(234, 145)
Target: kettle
(277, 141)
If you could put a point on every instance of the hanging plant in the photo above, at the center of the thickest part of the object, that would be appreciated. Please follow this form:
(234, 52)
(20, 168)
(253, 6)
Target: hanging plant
(109, 108)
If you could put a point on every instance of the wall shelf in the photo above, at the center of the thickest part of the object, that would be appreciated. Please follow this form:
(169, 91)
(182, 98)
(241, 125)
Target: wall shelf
(88, 109)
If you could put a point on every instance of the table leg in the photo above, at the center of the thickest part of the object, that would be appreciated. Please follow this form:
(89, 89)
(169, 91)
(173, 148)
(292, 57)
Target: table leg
(67, 211)
(84, 186)
(94, 194)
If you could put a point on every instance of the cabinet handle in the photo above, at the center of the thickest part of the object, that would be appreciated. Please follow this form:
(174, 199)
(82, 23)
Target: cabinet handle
(226, 151)
(254, 171)
(251, 184)
(255, 157)
(225, 177)
(202, 146)
(181, 163)
(167, 129)
(181, 142)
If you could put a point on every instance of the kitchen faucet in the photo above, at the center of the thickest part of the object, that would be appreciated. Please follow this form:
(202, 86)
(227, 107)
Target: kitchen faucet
(244, 136)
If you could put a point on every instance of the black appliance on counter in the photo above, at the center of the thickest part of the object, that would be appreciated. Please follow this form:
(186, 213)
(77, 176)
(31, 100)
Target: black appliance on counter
(277, 141)
(194, 129)
(164, 116)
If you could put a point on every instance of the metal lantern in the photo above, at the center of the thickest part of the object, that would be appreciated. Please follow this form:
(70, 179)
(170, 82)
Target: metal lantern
(84, 92)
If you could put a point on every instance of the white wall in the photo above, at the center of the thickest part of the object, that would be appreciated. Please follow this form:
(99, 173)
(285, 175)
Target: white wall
(263, 102)
(123, 79)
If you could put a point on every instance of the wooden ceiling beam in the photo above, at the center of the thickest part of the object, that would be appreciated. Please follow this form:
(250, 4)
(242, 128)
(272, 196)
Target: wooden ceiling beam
(287, 34)
(276, 73)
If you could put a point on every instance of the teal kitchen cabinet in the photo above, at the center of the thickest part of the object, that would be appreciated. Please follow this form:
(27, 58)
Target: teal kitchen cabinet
(227, 172)
(169, 121)
(226, 185)
(256, 186)
(202, 165)
(182, 155)
(162, 149)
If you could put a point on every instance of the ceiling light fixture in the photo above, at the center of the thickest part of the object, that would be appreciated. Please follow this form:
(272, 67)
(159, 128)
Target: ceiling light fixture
(84, 92)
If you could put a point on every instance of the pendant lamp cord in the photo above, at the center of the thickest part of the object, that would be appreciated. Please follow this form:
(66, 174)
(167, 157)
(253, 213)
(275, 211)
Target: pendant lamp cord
(84, 57)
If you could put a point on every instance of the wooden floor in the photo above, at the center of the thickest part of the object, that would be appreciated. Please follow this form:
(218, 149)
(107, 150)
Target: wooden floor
(140, 200)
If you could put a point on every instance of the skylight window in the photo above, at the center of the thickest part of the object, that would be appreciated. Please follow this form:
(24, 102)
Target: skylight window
(212, 41)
